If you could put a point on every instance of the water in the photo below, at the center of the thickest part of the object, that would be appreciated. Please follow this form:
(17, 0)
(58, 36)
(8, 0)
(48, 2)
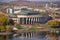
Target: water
(40, 37)
(31, 38)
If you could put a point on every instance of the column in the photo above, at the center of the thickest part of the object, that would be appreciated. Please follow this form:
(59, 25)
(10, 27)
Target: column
(26, 20)
(26, 35)
(36, 34)
(33, 20)
(29, 20)
(22, 20)
(38, 19)
(31, 35)
(22, 36)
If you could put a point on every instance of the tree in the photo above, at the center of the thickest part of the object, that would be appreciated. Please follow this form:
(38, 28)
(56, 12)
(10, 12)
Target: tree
(3, 19)
(5, 22)
(11, 22)
(54, 24)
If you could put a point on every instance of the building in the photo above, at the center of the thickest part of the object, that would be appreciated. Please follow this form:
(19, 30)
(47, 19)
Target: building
(27, 16)
(32, 17)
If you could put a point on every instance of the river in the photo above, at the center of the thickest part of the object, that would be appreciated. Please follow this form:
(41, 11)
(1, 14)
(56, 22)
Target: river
(33, 38)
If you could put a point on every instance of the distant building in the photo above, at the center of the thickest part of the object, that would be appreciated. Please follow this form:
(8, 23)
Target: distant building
(27, 16)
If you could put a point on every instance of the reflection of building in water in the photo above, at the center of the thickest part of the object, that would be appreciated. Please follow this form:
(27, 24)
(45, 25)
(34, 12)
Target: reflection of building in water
(27, 16)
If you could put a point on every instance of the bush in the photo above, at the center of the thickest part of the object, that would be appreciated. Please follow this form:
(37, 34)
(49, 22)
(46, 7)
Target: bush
(19, 26)
(33, 28)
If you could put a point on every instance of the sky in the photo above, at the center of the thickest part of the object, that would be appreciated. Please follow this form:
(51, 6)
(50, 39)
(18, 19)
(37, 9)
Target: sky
(43, 0)
(27, 0)
(6, 0)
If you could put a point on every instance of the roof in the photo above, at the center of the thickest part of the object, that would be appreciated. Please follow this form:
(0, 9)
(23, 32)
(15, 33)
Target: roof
(28, 11)
(12, 16)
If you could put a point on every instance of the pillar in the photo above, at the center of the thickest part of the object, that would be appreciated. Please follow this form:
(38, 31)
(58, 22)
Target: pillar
(22, 20)
(36, 34)
(33, 20)
(26, 20)
(31, 34)
(38, 19)
(29, 20)
(22, 36)
(26, 35)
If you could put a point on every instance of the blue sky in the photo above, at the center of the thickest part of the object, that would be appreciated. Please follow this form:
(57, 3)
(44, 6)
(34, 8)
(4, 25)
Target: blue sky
(27, 0)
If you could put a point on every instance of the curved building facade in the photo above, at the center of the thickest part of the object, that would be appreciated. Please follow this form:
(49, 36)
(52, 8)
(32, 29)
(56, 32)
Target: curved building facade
(26, 16)
(32, 19)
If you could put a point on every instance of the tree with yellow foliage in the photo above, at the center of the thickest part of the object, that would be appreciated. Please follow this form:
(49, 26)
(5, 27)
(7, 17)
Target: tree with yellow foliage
(3, 19)
(54, 24)
(5, 22)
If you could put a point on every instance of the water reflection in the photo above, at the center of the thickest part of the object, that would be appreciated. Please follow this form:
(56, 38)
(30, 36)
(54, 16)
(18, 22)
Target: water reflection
(33, 38)
(5, 37)
(44, 38)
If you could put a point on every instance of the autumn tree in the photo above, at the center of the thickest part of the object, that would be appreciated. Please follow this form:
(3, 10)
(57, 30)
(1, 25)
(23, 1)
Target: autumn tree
(54, 24)
(5, 22)
(3, 19)
(11, 22)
